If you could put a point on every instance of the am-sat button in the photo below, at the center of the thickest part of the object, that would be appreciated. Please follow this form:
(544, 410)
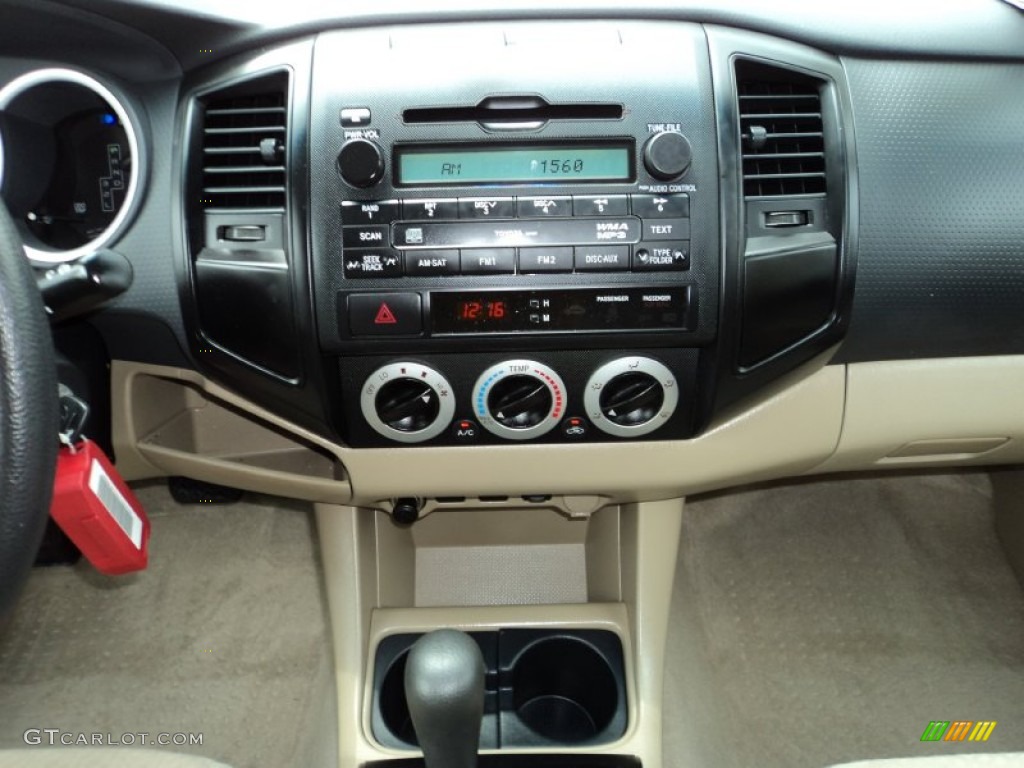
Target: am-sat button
(432, 263)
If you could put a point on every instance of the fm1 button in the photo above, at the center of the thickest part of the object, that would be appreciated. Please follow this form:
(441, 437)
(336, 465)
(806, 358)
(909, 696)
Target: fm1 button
(465, 431)
(574, 428)
(385, 314)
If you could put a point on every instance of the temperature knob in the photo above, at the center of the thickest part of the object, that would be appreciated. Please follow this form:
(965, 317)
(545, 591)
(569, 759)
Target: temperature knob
(630, 397)
(407, 402)
(519, 399)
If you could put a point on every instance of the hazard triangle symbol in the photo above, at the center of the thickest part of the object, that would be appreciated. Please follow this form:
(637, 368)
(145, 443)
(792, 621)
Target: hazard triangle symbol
(385, 316)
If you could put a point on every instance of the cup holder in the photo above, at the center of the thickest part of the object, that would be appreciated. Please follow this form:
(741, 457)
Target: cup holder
(393, 708)
(564, 690)
(561, 688)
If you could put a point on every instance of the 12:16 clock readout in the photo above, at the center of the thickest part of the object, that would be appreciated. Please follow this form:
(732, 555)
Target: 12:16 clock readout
(480, 310)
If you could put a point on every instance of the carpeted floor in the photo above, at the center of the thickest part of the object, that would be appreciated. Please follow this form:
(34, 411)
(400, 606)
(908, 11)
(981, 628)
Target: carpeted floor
(224, 635)
(828, 621)
(812, 623)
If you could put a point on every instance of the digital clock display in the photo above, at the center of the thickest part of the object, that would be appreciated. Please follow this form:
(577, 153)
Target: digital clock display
(570, 309)
(540, 163)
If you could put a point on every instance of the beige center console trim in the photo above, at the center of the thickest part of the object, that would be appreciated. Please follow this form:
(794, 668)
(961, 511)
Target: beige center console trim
(170, 421)
(628, 592)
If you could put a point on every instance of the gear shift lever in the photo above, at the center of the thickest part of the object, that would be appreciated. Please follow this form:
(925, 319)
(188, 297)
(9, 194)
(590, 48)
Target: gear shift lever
(444, 686)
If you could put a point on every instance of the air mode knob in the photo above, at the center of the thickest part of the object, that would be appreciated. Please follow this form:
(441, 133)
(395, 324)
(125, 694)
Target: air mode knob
(361, 163)
(631, 396)
(407, 402)
(667, 155)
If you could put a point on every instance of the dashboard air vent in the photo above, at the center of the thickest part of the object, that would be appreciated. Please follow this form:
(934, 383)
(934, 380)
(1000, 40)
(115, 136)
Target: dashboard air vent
(244, 136)
(783, 143)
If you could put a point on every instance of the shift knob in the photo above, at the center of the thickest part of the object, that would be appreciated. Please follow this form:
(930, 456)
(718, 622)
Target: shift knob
(444, 686)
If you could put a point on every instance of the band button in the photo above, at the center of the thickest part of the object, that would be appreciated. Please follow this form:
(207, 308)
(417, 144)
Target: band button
(368, 212)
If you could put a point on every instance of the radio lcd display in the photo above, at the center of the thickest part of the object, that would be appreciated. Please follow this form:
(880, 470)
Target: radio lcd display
(522, 163)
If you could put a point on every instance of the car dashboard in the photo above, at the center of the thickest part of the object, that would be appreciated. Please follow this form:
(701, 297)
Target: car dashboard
(398, 260)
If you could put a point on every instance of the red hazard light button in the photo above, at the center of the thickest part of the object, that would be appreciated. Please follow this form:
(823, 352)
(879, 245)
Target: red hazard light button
(385, 314)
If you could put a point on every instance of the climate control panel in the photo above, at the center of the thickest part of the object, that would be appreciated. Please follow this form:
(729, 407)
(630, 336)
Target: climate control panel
(578, 396)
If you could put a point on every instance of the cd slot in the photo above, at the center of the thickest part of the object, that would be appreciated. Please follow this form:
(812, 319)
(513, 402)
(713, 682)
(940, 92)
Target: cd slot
(512, 111)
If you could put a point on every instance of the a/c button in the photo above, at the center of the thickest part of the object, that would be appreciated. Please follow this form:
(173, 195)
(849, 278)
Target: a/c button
(385, 314)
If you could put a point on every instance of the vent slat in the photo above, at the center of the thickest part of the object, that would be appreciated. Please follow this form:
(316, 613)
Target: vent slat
(247, 130)
(246, 169)
(242, 190)
(245, 111)
(756, 176)
(244, 163)
(782, 136)
(774, 115)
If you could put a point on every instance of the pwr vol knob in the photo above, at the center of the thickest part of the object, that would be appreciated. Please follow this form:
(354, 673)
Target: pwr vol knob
(407, 402)
(519, 399)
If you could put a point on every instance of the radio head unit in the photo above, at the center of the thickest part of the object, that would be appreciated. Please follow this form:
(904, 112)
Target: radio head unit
(590, 190)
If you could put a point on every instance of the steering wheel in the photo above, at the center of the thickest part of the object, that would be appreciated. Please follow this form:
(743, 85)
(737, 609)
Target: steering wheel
(28, 416)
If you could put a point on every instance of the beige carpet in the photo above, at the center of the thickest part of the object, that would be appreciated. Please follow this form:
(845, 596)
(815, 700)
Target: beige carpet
(828, 621)
(224, 635)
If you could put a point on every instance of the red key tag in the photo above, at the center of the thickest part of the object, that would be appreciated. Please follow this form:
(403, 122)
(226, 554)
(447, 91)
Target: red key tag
(98, 511)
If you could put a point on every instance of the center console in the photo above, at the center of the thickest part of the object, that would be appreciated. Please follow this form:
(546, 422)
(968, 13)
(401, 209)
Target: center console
(510, 250)
(515, 285)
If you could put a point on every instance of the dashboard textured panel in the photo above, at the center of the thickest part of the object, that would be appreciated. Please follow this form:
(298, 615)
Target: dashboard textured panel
(941, 162)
